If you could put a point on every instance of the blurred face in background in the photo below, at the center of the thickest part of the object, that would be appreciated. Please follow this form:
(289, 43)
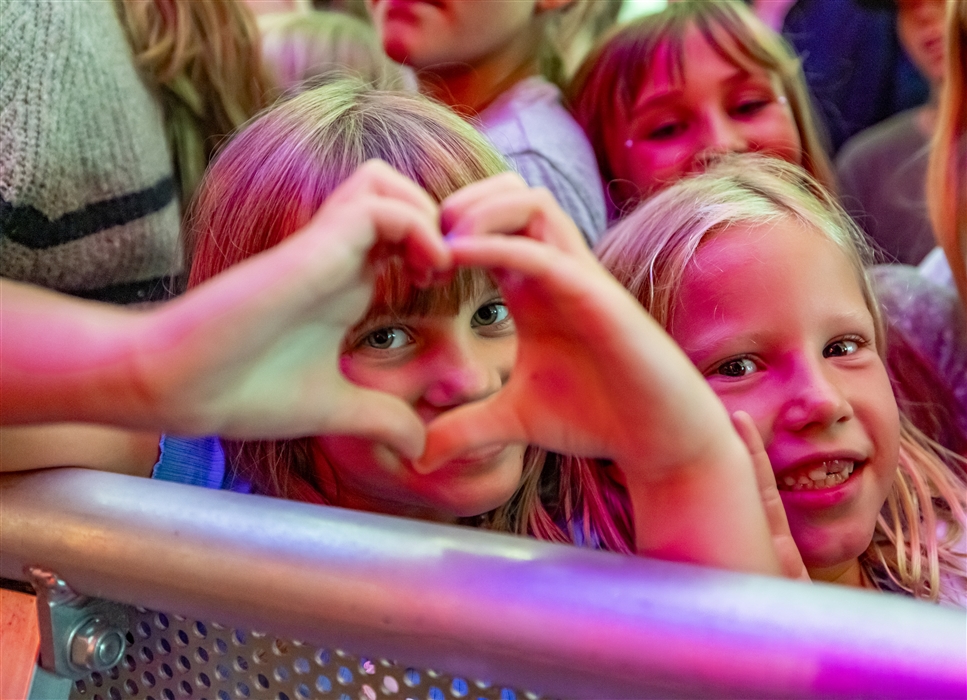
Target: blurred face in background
(920, 26)
(423, 34)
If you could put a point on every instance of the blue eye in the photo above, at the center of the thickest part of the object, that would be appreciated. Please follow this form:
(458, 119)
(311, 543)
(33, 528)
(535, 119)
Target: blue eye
(841, 348)
(387, 339)
(490, 314)
(739, 367)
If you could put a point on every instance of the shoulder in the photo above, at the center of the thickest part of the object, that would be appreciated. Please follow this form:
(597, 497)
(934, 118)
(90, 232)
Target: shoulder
(191, 460)
(896, 136)
(530, 127)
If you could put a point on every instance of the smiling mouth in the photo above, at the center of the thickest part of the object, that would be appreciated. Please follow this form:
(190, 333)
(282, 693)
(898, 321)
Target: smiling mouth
(822, 475)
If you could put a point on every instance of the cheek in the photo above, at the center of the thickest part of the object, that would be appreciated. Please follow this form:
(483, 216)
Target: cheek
(364, 464)
(780, 138)
(652, 167)
(761, 404)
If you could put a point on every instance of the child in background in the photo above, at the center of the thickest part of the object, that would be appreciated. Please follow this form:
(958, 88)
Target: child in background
(301, 48)
(664, 95)
(759, 276)
(924, 302)
(498, 63)
(947, 167)
(882, 170)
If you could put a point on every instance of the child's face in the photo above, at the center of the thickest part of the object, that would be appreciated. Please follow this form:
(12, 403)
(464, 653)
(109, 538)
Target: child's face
(775, 319)
(434, 362)
(920, 26)
(679, 127)
(424, 33)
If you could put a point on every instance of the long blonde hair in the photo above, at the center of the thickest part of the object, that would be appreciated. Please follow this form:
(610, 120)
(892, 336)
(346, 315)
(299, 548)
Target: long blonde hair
(269, 181)
(914, 545)
(618, 67)
(203, 59)
(947, 169)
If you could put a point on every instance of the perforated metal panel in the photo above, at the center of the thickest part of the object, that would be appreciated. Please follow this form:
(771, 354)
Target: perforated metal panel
(170, 658)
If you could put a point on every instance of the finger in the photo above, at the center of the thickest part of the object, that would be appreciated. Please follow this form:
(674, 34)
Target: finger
(379, 417)
(454, 206)
(380, 178)
(471, 426)
(533, 213)
(401, 230)
(504, 254)
(786, 548)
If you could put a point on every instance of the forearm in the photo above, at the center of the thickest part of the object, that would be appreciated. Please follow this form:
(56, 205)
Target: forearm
(704, 512)
(78, 445)
(65, 359)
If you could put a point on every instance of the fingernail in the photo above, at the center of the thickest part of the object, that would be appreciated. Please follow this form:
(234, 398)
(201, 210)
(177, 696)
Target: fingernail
(422, 467)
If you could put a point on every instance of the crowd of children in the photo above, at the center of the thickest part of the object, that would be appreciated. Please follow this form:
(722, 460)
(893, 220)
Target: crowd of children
(381, 315)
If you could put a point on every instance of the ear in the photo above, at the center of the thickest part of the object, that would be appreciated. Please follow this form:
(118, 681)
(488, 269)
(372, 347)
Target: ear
(550, 5)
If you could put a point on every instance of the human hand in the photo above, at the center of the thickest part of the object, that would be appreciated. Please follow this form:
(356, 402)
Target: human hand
(595, 375)
(254, 352)
(788, 553)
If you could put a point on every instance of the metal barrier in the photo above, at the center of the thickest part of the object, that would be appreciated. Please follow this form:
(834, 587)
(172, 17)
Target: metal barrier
(552, 619)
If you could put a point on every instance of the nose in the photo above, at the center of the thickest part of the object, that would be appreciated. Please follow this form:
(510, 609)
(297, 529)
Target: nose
(813, 398)
(721, 136)
(465, 370)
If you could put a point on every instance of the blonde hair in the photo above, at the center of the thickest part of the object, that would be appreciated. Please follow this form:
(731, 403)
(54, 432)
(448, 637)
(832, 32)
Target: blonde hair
(203, 59)
(300, 48)
(269, 181)
(617, 69)
(947, 169)
(914, 544)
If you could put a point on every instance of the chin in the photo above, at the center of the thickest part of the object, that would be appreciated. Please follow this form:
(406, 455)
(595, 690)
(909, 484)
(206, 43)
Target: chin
(822, 549)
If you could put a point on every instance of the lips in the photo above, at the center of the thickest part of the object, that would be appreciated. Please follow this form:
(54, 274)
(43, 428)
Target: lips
(479, 456)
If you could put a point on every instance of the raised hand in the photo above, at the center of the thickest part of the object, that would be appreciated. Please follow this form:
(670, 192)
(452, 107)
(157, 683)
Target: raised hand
(593, 369)
(252, 353)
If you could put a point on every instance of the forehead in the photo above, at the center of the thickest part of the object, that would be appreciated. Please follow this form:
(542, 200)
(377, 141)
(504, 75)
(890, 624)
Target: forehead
(769, 276)
(709, 55)
(396, 296)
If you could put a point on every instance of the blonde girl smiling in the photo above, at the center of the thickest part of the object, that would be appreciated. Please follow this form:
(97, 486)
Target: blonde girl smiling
(759, 275)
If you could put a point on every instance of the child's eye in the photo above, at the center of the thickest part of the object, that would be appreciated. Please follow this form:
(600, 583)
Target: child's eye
(389, 338)
(750, 106)
(667, 130)
(842, 347)
(738, 367)
(490, 314)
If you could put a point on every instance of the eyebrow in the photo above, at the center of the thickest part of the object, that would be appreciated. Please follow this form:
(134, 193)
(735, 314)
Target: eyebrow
(657, 99)
(709, 342)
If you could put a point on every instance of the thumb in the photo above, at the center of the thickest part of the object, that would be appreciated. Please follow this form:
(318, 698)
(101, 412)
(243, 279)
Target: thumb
(472, 426)
(377, 416)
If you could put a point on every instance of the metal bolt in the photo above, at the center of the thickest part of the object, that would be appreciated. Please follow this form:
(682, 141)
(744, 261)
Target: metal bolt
(97, 645)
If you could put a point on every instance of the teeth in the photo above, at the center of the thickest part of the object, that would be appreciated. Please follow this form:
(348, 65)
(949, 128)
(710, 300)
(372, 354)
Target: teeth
(825, 475)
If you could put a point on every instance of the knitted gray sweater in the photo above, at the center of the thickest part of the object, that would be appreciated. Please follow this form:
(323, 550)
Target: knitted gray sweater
(87, 199)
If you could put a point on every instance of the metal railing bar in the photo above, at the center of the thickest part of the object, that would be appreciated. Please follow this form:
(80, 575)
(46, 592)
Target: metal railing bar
(552, 618)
